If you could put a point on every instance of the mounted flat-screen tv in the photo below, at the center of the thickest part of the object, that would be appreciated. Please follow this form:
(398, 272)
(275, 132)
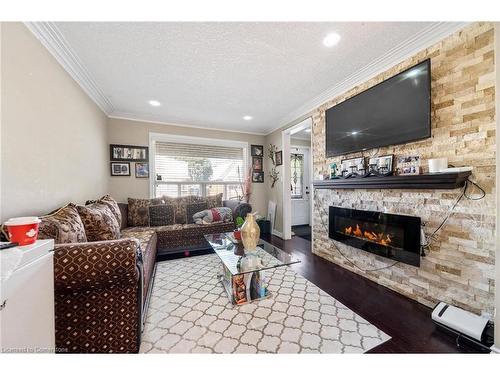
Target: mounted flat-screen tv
(396, 111)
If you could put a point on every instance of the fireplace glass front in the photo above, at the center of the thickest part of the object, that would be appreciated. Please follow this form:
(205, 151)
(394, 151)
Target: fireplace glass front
(392, 236)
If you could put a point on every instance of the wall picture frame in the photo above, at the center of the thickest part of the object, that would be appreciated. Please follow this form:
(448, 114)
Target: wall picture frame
(257, 163)
(257, 150)
(258, 177)
(278, 156)
(128, 153)
(142, 170)
(120, 169)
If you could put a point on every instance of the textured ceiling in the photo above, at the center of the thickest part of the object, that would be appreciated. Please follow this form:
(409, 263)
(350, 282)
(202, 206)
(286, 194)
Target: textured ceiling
(212, 74)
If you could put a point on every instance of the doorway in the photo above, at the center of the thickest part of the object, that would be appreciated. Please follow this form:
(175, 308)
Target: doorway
(297, 178)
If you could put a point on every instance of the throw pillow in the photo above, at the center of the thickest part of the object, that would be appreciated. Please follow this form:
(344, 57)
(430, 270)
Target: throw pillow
(99, 221)
(138, 211)
(214, 215)
(193, 208)
(161, 214)
(111, 203)
(64, 226)
(180, 204)
(214, 200)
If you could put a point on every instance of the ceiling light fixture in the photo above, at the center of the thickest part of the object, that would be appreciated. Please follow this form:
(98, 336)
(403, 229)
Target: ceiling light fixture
(354, 132)
(308, 130)
(331, 39)
(247, 118)
(154, 103)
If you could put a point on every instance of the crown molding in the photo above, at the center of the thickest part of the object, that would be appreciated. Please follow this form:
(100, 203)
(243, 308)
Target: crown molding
(53, 40)
(134, 118)
(423, 39)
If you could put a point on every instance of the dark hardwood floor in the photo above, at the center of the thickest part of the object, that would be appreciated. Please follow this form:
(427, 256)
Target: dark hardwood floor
(406, 321)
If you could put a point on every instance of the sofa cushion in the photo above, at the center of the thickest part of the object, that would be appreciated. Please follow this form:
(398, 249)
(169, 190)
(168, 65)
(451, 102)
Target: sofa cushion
(64, 226)
(138, 211)
(187, 235)
(99, 221)
(147, 240)
(111, 203)
(193, 208)
(214, 200)
(161, 214)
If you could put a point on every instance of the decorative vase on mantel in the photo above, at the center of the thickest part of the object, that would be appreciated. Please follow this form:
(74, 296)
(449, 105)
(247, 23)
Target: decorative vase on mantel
(250, 233)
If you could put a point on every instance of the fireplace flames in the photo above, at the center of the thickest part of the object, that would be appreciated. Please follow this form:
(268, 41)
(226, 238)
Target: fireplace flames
(379, 238)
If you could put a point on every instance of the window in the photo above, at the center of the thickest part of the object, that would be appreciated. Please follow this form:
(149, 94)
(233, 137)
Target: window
(189, 168)
(297, 175)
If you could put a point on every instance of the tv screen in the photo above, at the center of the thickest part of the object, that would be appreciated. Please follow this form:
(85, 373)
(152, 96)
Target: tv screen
(397, 110)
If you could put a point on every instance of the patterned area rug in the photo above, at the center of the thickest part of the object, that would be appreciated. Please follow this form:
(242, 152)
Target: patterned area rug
(190, 312)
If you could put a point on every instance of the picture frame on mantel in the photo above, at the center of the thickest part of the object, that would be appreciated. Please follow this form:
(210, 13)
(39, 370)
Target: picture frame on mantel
(128, 153)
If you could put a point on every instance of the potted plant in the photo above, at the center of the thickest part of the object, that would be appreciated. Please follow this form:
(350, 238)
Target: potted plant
(237, 231)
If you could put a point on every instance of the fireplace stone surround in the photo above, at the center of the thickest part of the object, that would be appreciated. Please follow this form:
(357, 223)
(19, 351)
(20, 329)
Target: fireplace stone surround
(459, 267)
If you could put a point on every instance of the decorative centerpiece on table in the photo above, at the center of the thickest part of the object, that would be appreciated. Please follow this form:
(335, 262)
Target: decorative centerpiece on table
(250, 233)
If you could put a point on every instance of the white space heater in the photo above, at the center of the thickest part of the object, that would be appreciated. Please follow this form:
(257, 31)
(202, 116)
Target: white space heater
(476, 330)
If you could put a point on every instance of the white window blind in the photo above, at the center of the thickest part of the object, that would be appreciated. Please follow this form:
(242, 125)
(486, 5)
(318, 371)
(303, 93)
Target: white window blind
(197, 169)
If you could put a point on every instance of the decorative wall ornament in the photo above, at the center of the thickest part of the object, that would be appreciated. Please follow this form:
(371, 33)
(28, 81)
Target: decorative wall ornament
(273, 174)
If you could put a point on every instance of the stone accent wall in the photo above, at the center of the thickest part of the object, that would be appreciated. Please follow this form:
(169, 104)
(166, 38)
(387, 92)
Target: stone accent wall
(459, 268)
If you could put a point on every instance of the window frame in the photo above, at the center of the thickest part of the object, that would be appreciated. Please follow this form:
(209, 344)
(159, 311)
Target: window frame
(165, 137)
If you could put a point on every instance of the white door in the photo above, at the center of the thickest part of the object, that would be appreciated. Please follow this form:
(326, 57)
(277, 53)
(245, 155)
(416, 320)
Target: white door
(299, 185)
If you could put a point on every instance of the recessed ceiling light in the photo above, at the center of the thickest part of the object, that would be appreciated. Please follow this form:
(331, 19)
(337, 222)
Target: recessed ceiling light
(331, 39)
(154, 103)
(247, 118)
(354, 132)
(308, 130)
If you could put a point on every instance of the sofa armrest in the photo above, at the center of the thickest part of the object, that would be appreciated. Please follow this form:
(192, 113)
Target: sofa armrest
(93, 265)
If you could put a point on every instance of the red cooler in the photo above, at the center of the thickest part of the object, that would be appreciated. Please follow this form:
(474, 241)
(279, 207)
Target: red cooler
(23, 230)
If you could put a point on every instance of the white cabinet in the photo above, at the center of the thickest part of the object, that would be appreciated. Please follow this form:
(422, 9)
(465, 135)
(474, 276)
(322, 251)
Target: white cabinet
(27, 298)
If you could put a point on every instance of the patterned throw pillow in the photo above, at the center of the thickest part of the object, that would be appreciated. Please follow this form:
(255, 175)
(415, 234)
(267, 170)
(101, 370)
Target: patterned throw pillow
(180, 205)
(193, 208)
(161, 214)
(214, 200)
(64, 226)
(138, 211)
(99, 221)
(112, 204)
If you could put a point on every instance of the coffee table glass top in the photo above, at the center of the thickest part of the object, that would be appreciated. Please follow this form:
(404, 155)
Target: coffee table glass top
(239, 261)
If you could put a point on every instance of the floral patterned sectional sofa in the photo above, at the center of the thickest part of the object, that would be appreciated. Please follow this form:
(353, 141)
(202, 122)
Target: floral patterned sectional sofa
(104, 263)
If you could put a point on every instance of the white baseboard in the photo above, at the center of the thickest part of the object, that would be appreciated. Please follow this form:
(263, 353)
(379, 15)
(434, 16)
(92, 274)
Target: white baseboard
(278, 233)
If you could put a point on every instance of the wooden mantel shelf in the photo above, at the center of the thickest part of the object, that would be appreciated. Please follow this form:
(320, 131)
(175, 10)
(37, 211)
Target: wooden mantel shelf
(422, 181)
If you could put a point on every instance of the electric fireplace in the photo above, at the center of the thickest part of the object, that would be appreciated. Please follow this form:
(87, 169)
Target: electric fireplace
(392, 236)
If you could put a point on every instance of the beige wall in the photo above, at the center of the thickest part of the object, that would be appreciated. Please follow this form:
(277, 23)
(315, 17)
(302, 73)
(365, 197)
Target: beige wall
(460, 266)
(122, 131)
(53, 137)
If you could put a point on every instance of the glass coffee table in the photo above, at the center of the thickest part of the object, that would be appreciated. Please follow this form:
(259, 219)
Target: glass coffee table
(242, 271)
